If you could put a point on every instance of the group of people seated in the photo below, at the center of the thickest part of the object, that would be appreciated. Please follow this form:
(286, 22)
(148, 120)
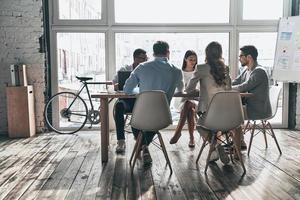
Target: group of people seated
(212, 76)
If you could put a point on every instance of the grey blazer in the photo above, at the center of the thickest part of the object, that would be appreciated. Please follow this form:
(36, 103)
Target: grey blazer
(258, 106)
(208, 86)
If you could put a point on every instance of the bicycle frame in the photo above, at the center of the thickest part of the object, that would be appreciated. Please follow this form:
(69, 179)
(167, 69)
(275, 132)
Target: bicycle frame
(85, 85)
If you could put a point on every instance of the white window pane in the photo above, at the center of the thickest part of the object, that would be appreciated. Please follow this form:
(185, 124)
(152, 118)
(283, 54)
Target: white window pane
(80, 54)
(172, 11)
(79, 9)
(262, 9)
(265, 44)
(179, 43)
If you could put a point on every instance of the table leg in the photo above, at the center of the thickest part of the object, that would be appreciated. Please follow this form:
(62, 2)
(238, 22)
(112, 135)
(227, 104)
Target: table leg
(104, 119)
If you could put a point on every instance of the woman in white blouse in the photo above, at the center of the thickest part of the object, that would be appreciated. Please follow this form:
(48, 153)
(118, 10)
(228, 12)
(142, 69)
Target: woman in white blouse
(187, 106)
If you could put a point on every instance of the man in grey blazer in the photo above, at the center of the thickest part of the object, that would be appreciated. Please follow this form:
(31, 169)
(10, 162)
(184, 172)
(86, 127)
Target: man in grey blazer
(253, 79)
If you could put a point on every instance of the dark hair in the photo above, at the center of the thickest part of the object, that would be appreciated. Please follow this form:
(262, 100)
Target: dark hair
(213, 53)
(187, 54)
(138, 52)
(250, 50)
(160, 48)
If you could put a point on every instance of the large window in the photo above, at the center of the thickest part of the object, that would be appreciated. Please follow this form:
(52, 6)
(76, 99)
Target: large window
(172, 11)
(265, 44)
(79, 54)
(97, 37)
(79, 9)
(179, 43)
(262, 9)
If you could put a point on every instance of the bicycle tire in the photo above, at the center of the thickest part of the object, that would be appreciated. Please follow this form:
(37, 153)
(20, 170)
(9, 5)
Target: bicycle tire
(65, 113)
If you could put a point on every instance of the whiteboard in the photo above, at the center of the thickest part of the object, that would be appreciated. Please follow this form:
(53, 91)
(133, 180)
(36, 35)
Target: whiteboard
(287, 55)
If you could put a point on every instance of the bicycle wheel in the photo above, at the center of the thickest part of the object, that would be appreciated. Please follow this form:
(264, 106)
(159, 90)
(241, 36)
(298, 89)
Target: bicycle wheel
(70, 113)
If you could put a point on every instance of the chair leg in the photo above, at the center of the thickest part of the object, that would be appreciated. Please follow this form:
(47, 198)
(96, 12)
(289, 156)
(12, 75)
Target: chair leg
(135, 147)
(163, 147)
(252, 135)
(237, 144)
(264, 132)
(201, 149)
(211, 149)
(273, 135)
(137, 151)
(246, 127)
(227, 135)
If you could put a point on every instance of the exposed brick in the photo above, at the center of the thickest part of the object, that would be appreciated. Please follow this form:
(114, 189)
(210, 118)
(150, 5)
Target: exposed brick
(21, 25)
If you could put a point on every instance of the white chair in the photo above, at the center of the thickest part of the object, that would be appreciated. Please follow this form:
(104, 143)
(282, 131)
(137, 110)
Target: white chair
(151, 112)
(224, 114)
(265, 126)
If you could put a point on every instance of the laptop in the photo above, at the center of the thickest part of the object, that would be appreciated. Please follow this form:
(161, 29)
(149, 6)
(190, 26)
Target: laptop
(122, 77)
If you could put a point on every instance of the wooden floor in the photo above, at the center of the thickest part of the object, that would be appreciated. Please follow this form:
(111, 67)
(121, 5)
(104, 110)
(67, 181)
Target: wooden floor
(53, 166)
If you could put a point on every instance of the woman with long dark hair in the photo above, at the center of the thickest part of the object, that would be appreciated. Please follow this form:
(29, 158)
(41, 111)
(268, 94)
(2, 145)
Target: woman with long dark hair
(187, 106)
(212, 78)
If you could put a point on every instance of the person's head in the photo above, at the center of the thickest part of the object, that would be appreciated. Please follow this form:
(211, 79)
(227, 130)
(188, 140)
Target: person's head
(161, 49)
(139, 56)
(214, 59)
(190, 59)
(248, 55)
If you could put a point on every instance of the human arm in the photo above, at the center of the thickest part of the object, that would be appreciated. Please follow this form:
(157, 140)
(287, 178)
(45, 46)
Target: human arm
(191, 86)
(238, 80)
(131, 83)
(256, 78)
(180, 84)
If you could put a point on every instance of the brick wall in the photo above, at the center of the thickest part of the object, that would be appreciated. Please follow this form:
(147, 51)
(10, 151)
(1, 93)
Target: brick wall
(21, 26)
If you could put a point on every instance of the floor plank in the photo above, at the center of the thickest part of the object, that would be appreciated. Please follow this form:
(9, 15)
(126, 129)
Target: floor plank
(53, 166)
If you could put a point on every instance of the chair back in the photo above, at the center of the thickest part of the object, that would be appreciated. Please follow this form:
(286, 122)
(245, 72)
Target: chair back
(274, 94)
(224, 112)
(151, 111)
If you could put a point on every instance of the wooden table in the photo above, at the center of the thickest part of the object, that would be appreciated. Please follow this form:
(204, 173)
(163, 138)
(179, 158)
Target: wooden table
(105, 98)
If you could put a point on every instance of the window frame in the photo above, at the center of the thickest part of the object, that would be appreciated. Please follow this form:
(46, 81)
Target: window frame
(54, 5)
(108, 26)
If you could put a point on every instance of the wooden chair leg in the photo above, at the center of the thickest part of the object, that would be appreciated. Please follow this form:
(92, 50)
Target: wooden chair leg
(246, 127)
(137, 151)
(135, 147)
(201, 149)
(264, 132)
(211, 149)
(273, 135)
(251, 138)
(163, 147)
(237, 144)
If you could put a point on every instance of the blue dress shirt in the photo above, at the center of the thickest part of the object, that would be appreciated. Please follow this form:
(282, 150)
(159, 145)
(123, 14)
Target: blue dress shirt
(158, 74)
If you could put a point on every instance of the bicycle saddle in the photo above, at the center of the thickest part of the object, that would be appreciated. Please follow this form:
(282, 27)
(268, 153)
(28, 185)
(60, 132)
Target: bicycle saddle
(84, 78)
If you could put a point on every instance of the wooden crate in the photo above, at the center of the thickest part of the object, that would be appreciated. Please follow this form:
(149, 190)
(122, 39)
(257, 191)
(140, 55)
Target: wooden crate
(20, 111)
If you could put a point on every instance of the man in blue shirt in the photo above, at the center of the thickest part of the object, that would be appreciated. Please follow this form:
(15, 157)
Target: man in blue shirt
(158, 74)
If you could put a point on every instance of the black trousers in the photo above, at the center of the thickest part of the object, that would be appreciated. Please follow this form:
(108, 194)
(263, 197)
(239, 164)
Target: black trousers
(123, 106)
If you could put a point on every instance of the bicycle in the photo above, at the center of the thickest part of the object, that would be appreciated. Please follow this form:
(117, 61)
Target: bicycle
(73, 112)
